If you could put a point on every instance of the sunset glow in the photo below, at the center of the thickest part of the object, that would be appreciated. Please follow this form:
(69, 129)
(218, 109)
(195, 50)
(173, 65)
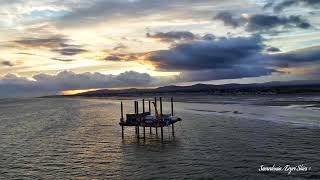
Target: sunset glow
(72, 92)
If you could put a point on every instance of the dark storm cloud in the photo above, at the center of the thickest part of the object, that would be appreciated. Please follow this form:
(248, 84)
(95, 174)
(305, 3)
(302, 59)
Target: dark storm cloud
(297, 57)
(227, 73)
(273, 49)
(207, 54)
(7, 63)
(209, 37)
(228, 19)
(24, 53)
(278, 7)
(122, 57)
(222, 58)
(262, 22)
(227, 58)
(230, 54)
(57, 44)
(113, 58)
(43, 84)
(218, 58)
(172, 36)
(179, 36)
(62, 59)
(70, 51)
(48, 42)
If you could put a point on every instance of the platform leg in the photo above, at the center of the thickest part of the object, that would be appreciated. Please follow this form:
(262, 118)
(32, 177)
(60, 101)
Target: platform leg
(150, 130)
(172, 129)
(122, 131)
(144, 132)
(138, 133)
(161, 133)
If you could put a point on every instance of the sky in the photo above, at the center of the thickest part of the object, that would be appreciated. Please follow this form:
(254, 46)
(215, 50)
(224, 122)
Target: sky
(51, 47)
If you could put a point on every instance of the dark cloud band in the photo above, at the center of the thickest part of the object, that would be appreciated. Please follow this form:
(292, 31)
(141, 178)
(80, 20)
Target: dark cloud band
(278, 7)
(262, 22)
(43, 84)
(56, 43)
(7, 63)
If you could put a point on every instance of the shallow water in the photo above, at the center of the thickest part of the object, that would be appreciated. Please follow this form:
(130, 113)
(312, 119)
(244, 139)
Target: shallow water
(219, 138)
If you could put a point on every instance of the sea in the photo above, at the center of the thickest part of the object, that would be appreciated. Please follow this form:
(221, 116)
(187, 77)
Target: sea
(219, 137)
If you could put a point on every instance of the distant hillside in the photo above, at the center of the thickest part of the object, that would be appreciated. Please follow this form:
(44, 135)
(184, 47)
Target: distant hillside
(292, 87)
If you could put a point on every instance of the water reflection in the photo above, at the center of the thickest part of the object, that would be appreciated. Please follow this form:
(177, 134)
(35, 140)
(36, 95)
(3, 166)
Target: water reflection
(81, 138)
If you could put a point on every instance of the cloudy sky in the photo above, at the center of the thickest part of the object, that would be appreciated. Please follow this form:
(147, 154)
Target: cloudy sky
(54, 46)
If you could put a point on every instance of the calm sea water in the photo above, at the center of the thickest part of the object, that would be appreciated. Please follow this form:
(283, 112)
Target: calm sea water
(219, 138)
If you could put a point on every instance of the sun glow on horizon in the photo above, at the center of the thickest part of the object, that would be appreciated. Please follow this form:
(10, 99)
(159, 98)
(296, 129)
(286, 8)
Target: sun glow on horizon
(73, 92)
(77, 91)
